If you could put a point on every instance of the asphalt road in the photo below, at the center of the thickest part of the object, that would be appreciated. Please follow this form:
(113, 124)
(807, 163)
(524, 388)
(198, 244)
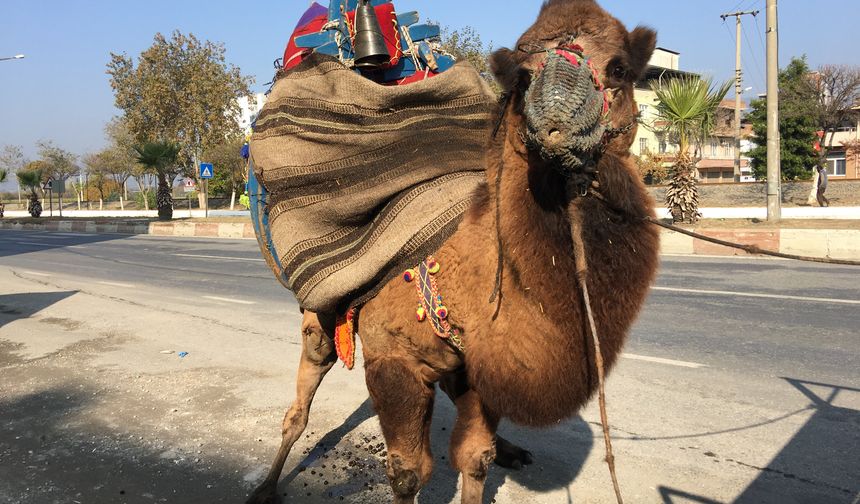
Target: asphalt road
(740, 384)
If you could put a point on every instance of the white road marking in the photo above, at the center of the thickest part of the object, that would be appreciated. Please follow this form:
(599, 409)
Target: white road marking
(199, 256)
(59, 236)
(117, 284)
(659, 360)
(36, 273)
(42, 244)
(229, 300)
(755, 295)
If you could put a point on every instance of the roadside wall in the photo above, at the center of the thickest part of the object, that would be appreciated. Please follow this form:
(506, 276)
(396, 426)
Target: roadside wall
(839, 192)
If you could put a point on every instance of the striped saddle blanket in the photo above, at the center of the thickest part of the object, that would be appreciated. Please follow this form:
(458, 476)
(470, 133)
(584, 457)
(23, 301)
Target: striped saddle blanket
(353, 181)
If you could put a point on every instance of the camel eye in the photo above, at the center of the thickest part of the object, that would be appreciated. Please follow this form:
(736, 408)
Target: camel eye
(619, 72)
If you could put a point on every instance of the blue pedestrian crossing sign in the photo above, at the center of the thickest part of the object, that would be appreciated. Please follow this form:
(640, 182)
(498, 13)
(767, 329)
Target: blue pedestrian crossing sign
(206, 170)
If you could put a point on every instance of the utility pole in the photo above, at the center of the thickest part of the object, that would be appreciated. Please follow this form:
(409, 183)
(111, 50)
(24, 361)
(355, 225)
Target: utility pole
(738, 83)
(774, 202)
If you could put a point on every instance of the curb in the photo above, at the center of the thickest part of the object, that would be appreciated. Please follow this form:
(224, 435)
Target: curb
(227, 230)
(832, 243)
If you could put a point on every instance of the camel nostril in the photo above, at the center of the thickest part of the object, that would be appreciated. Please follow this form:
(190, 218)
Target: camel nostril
(554, 137)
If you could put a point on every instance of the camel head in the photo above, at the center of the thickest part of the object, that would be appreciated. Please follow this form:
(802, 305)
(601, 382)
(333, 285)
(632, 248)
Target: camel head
(569, 84)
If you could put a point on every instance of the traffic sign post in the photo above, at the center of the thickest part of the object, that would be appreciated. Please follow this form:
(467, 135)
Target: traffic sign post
(207, 171)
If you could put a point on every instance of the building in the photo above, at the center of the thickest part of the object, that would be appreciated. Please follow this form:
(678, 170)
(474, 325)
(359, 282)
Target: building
(248, 112)
(718, 152)
(664, 63)
(843, 161)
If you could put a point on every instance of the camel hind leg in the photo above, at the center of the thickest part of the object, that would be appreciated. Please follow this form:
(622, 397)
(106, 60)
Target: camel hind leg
(508, 455)
(318, 357)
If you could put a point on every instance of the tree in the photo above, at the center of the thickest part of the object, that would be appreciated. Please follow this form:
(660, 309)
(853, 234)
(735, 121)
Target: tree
(465, 44)
(31, 178)
(160, 159)
(837, 90)
(59, 164)
(686, 107)
(120, 157)
(3, 174)
(98, 173)
(229, 164)
(797, 125)
(181, 91)
(11, 160)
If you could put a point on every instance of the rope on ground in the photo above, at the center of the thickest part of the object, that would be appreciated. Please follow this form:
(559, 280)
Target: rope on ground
(581, 273)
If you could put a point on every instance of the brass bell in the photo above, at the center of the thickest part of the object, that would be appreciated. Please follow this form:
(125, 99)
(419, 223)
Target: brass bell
(370, 49)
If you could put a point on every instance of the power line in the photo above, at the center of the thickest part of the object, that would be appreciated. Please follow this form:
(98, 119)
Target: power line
(755, 58)
(760, 39)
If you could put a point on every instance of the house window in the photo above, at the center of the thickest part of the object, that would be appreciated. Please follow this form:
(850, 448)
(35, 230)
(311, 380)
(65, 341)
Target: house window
(836, 166)
(662, 146)
(643, 146)
(643, 111)
(713, 147)
(727, 149)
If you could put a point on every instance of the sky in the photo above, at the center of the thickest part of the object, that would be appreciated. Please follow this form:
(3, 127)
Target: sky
(60, 91)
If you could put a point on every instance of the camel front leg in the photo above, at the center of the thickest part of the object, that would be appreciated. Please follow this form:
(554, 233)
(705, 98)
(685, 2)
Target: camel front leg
(473, 445)
(403, 401)
(318, 357)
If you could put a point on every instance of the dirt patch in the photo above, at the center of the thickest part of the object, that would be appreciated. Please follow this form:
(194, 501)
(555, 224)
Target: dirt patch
(67, 324)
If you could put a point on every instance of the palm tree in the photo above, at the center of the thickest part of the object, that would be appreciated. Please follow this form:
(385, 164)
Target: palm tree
(32, 179)
(160, 158)
(685, 110)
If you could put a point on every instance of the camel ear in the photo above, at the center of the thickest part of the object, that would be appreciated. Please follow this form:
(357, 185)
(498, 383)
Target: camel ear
(505, 68)
(642, 43)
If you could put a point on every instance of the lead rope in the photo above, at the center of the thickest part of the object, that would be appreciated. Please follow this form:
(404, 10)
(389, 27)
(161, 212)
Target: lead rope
(581, 276)
(500, 260)
(749, 249)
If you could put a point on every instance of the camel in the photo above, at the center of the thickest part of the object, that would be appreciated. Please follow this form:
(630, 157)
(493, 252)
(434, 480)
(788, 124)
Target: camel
(558, 160)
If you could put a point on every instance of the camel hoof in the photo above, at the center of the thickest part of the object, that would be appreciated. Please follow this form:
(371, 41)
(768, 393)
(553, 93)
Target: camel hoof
(405, 484)
(511, 456)
(265, 494)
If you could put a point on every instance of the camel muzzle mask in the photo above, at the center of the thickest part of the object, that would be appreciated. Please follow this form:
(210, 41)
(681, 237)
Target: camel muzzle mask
(565, 108)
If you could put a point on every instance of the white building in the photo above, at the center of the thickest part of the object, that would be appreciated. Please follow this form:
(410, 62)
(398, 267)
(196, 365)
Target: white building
(248, 112)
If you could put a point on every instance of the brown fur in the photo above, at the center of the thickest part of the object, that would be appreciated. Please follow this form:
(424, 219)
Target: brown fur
(528, 356)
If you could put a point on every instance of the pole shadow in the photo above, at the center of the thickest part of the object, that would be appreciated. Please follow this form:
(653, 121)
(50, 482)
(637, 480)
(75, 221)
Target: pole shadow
(820, 463)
